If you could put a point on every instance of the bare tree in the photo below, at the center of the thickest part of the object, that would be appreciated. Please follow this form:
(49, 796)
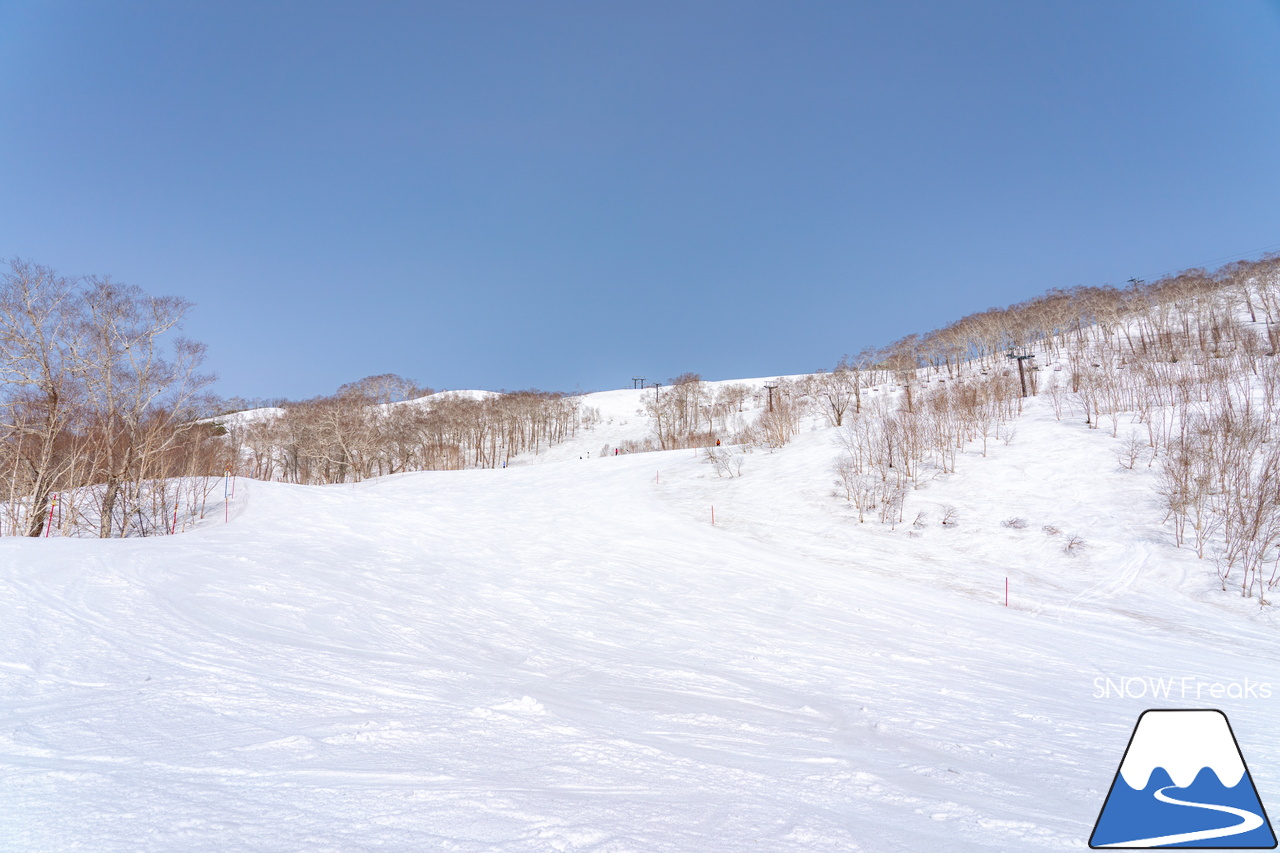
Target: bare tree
(385, 388)
(834, 392)
(128, 376)
(39, 339)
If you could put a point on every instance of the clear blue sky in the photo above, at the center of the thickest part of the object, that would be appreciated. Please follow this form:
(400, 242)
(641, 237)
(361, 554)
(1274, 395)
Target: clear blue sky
(566, 194)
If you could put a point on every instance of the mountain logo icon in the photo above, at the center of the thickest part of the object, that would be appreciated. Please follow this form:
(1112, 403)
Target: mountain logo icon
(1183, 783)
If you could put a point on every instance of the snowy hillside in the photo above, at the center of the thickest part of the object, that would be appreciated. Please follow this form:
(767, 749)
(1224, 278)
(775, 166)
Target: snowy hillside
(567, 655)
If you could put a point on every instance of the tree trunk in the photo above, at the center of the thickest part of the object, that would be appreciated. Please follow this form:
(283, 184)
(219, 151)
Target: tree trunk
(108, 507)
(39, 507)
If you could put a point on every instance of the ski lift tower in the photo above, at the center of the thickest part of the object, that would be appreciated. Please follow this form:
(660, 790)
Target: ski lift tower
(770, 389)
(1022, 376)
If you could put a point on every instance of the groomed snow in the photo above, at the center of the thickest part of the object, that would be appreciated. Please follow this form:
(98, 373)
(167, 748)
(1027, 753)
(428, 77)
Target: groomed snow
(569, 656)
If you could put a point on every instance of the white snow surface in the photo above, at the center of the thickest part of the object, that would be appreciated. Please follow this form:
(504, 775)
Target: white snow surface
(1183, 743)
(569, 656)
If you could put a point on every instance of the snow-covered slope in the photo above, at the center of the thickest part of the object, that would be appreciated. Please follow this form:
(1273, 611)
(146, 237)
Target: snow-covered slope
(571, 656)
(249, 416)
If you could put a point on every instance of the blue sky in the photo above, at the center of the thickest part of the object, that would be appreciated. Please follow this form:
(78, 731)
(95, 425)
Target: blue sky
(567, 194)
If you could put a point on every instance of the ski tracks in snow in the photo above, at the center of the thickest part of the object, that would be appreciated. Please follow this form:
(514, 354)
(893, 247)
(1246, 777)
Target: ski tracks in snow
(570, 657)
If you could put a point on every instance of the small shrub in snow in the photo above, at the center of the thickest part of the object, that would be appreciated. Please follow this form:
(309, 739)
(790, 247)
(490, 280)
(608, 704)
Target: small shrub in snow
(724, 461)
(860, 490)
(950, 516)
(1073, 545)
(1015, 523)
(1050, 530)
(1132, 450)
(890, 499)
(919, 522)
